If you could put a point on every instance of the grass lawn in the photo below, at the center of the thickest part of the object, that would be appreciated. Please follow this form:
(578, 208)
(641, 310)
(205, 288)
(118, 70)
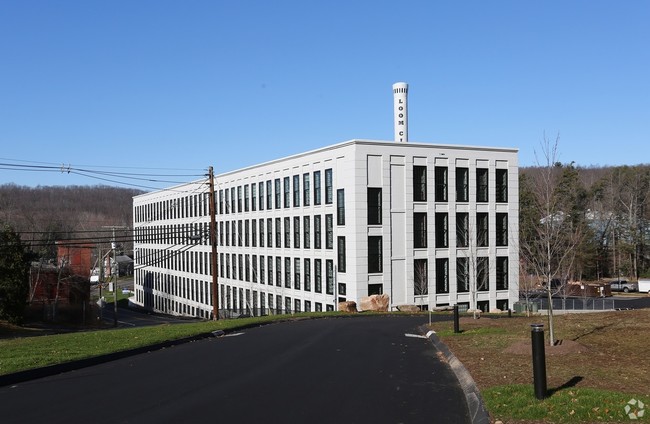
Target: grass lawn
(22, 348)
(599, 366)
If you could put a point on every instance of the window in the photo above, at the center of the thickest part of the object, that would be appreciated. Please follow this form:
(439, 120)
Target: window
(261, 194)
(277, 193)
(483, 274)
(442, 229)
(440, 178)
(253, 233)
(287, 232)
(374, 206)
(269, 232)
(481, 185)
(502, 229)
(287, 190)
(240, 262)
(287, 273)
(329, 272)
(462, 229)
(318, 276)
(246, 232)
(240, 232)
(329, 230)
(375, 289)
(306, 232)
(278, 271)
(317, 194)
(342, 289)
(262, 272)
(253, 197)
(233, 201)
(296, 305)
(247, 261)
(420, 277)
(227, 233)
(341, 253)
(502, 273)
(247, 197)
(239, 200)
(502, 186)
(328, 186)
(305, 190)
(296, 191)
(482, 229)
(296, 274)
(307, 273)
(278, 232)
(340, 207)
(442, 275)
(419, 230)
(270, 270)
(375, 260)
(462, 275)
(419, 183)
(220, 202)
(269, 195)
(462, 184)
(296, 232)
(262, 235)
(317, 231)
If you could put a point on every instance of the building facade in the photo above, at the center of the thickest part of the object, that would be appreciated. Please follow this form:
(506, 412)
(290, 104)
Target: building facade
(426, 224)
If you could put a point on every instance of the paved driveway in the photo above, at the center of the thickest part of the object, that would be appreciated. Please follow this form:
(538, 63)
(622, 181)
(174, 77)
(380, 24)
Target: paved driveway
(358, 370)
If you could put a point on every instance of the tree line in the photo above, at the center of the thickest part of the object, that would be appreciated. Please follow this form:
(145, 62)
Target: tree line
(43, 214)
(600, 217)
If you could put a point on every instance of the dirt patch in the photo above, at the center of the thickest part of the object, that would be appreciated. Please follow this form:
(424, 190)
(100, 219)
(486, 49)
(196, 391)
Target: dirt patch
(562, 347)
(608, 350)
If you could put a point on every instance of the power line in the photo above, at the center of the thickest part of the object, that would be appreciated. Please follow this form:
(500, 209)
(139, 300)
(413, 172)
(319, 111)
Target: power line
(69, 169)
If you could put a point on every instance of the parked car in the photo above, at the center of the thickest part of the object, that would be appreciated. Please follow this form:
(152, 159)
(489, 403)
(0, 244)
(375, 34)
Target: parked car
(624, 286)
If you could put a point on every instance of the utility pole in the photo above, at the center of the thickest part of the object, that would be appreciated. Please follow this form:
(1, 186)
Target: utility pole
(114, 270)
(101, 281)
(213, 245)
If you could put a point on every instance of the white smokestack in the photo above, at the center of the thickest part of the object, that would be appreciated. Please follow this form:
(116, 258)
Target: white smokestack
(400, 111)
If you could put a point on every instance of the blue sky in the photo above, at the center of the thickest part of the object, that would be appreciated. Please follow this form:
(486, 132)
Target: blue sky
(170, 87)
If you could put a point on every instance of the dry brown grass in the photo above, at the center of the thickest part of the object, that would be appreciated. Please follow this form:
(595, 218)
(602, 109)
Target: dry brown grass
(605, 350)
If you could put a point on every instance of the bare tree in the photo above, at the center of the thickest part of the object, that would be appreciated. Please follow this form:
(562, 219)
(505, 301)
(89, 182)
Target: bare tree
(421, 277)
(549, 232)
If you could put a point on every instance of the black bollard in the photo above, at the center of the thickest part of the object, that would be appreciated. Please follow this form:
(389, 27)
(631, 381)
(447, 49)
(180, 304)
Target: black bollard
(456, 320)
(539, 360)
(509, 313)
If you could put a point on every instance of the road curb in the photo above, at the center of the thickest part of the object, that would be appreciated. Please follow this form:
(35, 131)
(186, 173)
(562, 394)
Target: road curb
(477, 411)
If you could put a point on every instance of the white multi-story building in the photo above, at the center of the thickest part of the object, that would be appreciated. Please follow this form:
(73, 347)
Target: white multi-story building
(427, 224)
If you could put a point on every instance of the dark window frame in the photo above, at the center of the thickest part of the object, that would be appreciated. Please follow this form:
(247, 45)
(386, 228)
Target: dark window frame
(419, 183)
(420, 230)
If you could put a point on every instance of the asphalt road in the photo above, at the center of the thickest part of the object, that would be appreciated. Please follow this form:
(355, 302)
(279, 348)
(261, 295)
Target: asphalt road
(359, 370)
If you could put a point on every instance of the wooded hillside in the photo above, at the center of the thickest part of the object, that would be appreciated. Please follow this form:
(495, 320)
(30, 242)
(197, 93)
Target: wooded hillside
(604, 212)
(47, 213)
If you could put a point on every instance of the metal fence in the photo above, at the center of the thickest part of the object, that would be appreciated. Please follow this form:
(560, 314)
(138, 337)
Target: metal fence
(570, 304)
